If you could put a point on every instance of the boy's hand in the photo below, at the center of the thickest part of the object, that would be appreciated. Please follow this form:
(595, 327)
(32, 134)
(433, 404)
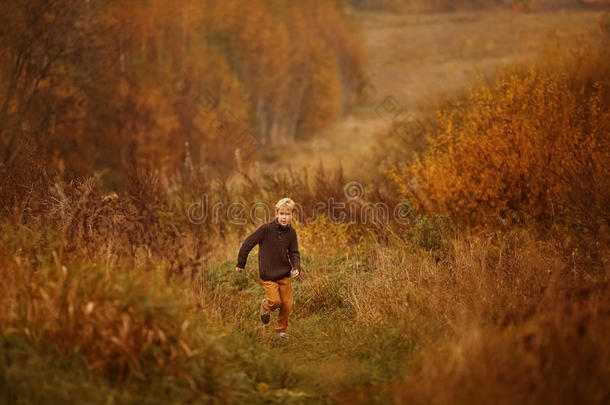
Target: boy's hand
(295, 272)
(239, 269)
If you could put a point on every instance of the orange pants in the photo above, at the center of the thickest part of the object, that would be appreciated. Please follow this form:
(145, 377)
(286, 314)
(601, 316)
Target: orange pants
(278, 294)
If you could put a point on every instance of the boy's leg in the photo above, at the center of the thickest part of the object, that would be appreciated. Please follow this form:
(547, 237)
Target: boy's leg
(285, 292)
(272, 299)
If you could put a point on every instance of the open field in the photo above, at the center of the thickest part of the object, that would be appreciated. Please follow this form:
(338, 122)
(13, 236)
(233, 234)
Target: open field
(419, 60)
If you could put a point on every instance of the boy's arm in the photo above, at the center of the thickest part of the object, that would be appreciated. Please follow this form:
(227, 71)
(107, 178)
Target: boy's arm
(252, 240)
(295, 256)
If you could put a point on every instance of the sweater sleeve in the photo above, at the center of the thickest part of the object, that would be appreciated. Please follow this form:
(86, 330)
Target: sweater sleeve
(252, 240)
(293, 251)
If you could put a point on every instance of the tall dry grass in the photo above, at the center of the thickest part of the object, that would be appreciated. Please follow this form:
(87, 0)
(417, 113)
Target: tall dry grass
(505, 317)
(382, 315)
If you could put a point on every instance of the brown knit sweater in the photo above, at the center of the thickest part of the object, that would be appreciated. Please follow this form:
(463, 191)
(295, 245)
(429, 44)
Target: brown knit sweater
(278, 251)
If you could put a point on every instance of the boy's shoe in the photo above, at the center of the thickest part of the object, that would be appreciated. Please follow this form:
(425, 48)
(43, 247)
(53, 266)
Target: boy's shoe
(265, 315)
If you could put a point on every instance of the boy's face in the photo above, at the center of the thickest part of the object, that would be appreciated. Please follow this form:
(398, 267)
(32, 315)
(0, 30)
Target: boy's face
(284, 216)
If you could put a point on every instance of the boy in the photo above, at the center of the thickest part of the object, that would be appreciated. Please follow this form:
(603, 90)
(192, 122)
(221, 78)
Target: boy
(278, 258)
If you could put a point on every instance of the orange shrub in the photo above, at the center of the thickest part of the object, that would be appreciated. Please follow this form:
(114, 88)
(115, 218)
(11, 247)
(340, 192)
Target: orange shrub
(533, 143)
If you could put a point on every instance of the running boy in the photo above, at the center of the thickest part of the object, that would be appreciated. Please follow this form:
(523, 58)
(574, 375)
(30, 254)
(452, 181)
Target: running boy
(278, 258)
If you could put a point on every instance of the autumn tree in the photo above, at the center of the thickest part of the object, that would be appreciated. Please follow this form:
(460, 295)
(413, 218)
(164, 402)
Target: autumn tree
(107, 84)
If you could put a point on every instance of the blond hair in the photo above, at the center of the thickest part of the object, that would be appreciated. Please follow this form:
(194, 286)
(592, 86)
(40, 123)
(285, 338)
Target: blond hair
(285, 202)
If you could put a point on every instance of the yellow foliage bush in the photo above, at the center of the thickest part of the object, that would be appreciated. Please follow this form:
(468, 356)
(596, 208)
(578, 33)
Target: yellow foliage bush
(532, 144)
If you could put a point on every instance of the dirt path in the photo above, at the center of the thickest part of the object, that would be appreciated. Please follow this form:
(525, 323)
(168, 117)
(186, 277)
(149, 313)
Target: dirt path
(415, 60)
